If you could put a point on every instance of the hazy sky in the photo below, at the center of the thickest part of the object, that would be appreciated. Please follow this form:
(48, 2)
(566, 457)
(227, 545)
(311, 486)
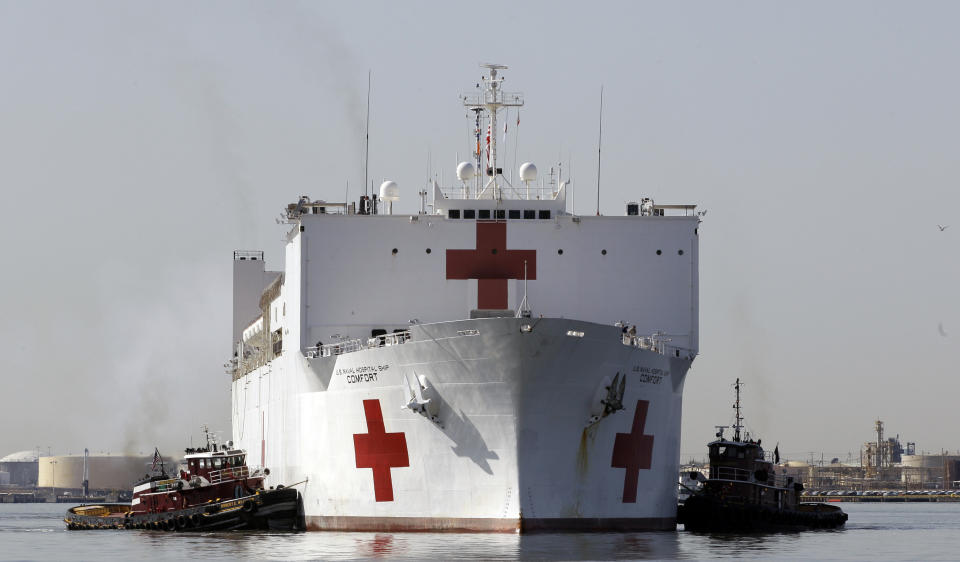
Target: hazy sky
(143, 142)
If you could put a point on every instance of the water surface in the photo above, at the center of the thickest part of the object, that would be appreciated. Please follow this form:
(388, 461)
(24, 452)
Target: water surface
(924, 531)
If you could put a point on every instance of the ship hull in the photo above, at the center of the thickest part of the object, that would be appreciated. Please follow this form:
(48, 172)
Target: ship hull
(510, 433)
(275, 510)
(704, 513)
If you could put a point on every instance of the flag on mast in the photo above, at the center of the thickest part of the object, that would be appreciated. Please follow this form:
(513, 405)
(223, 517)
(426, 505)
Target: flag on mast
(157, 459)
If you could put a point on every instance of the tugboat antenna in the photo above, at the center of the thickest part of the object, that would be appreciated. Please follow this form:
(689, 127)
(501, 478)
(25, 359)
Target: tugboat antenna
(739, 420)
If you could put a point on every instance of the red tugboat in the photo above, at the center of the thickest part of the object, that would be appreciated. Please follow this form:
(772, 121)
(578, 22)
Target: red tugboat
(744, 493)
(215, 492)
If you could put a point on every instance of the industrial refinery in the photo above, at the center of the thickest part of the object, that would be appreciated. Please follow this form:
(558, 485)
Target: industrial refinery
(885, 464)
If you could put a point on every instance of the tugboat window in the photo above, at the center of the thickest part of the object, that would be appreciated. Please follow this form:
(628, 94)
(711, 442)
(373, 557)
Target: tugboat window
(514, 213)
(484, 214)
(500, 214)
(454, 213)
(544, 214)
(469, 213)
(529, 214)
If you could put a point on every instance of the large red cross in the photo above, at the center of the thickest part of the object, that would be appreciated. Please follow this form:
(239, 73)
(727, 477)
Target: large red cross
(380, 451)
(633, 451)
(491, 264)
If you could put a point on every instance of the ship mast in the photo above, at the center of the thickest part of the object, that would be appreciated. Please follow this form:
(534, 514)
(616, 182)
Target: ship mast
(491, 99)
(739, 419)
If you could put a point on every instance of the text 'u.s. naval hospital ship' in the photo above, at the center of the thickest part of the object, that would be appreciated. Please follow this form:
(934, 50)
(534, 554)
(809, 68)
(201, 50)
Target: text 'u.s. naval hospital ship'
(491, 363)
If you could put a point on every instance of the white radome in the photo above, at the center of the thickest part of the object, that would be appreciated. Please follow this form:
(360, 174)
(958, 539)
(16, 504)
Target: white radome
(528, 171)
(465, 171)
(389, 191)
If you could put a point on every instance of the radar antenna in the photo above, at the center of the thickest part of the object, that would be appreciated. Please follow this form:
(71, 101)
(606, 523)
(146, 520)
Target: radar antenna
(738, 424)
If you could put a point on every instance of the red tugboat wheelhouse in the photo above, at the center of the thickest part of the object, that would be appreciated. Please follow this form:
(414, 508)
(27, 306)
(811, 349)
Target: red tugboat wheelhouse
(214, 491)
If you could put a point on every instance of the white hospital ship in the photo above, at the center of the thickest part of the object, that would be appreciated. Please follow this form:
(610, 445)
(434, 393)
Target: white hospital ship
(494, 362)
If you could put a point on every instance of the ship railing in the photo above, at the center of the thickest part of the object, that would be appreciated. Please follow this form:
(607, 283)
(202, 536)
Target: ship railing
(651, 343)
(350, 346)
(744, 475)
(730, 473)
(514, 193)
(228, 474)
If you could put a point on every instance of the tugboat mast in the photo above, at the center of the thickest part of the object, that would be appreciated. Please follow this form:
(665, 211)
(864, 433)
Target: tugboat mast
(739, 419)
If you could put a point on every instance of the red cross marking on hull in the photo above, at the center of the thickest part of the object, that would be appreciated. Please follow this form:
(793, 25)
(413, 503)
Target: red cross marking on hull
(633, 451)
(492, 264)
(380, 451)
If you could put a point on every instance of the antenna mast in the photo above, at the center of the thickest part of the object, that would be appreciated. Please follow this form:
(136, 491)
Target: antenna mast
(739, 420)
(366, 157)
(599, 146)
(491, 99)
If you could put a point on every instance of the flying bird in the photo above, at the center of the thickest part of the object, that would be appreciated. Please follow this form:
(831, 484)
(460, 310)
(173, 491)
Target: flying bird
(943, 227)
(942, 331)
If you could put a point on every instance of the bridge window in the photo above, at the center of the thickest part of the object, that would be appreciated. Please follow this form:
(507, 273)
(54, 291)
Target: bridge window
(500, 214)
(514, 213)
(484, 214)
(529, 214)
(453, 213)
(469, 214)
(545, 214)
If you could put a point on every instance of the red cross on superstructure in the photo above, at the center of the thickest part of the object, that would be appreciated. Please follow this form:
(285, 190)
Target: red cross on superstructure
(633, 451)
(380, 451)
(491, 264)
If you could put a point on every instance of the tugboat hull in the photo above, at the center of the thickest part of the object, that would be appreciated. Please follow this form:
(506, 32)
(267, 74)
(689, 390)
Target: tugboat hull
(275, 510)
(704, 513)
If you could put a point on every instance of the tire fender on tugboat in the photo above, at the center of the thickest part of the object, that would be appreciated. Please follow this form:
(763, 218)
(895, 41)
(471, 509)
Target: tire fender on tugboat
(249, 506)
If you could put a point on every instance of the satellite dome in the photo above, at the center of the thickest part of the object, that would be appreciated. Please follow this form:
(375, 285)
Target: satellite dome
(465, 171)
(528, 172)
(389, 191)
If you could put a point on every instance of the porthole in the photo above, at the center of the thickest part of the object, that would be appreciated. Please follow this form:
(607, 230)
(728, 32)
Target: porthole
(395, 251)
(429, 250)
(679, 252)
(659, 252)
(603, 252)
(560, 252)
(493, 251)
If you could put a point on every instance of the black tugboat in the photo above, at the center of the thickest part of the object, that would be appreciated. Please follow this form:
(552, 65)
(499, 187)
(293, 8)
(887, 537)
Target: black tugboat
(744, 492)
(215, 491)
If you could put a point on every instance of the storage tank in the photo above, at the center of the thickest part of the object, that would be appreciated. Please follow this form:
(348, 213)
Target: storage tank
(927, 461)
(22, 468)
(107, 472)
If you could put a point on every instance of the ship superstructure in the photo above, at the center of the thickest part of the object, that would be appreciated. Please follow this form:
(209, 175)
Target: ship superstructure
(493, 362)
